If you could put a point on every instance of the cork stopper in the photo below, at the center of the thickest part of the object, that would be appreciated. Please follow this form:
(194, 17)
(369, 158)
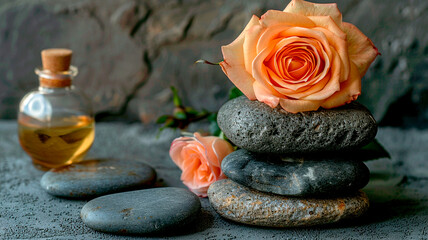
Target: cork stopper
(56, 61)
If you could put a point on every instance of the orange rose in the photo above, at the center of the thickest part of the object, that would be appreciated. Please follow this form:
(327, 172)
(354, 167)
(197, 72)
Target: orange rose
(199, 158)
(302, 58)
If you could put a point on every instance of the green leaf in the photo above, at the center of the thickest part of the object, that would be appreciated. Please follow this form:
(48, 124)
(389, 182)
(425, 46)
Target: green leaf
(222, 136)
(205, 113)
(213, 128)
(191, 111)
(162, 119)
(234, 92)
(176, 99)
(169, 123)
(212, 117)
(181, 115)
(374, 150)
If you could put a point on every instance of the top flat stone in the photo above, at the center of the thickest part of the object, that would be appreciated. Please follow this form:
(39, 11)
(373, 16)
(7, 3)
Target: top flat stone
(256, 127)
(97, 177)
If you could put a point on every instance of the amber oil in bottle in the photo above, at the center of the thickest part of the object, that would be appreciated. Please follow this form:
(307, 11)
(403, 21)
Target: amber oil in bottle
(58, 145)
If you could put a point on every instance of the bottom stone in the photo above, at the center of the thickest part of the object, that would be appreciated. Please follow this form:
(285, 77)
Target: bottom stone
(242, 204)
(155, 210)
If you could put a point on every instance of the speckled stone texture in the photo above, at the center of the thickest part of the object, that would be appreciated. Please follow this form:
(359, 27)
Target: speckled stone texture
(97, 177)
(255, 126)
(242, 204)
(142, 212)
(302, 177)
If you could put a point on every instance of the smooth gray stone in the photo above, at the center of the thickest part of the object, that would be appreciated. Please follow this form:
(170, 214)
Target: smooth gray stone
(242, 204)
(255, 126)
(142, 212)
(300, 177)
(97, 177)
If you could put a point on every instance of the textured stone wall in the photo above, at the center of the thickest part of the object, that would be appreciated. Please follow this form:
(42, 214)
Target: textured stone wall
(130, 52)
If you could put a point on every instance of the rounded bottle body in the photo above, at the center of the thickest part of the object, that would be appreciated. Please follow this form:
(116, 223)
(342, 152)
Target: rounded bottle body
(55, 126)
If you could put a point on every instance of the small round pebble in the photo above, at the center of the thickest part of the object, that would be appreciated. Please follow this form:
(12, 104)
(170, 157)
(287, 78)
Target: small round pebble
(98, 177)
(147, 211)
(292, 176)
(244, 205)
(255, 126)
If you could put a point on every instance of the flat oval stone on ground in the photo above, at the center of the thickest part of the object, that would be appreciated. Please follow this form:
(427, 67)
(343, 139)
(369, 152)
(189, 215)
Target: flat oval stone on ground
(255, 126)
(142, 212)
(305, 176)
(244, 205)
(97, 177)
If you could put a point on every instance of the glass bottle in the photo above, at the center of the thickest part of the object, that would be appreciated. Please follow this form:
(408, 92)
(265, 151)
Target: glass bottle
(55, 122)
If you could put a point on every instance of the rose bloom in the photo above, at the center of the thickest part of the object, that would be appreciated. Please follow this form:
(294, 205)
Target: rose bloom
(302, 58)
(199, 158)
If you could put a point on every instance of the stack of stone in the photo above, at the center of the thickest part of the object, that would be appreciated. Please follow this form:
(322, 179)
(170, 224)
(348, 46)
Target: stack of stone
(292, 169)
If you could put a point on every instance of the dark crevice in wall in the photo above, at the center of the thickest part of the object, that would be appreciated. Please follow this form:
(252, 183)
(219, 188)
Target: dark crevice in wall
(223, 26)
(140, 22)
(154, 53)
(120, 115)
(187, 28)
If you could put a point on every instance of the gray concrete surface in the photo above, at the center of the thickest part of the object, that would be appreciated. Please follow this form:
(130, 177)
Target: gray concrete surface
(398, 191)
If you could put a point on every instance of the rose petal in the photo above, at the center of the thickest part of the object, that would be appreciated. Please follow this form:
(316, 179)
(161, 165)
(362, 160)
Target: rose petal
(328, 23)
(188, 174)
(309, 33)
(315, 9)
(349, 90)
(234, 65)
(361, 49)
(240, 78)
(269, 38)
(295, 106)
(215, 150)
(176, 148)
(285, 50)
(221, 149)
(333, 84)
(206, 142)
(337, 38)
(260, 73)
(252, 36)
(264, 95)
(210, 158)
(275, 17)
(304, 92)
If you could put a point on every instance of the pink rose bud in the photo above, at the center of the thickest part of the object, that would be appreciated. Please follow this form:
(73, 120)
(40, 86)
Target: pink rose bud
(301, 58)
(199, 159)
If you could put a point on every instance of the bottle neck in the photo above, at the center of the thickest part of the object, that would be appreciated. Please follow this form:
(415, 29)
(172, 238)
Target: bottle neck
(54, 83)
(50, 79)
(46, 89)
